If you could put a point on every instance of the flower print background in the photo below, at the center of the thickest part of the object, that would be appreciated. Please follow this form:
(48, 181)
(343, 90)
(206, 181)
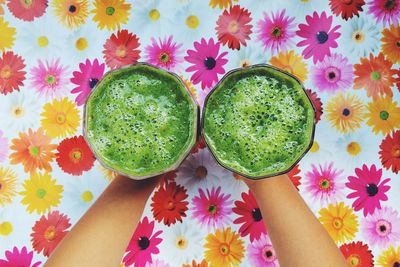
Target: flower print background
(347, 53)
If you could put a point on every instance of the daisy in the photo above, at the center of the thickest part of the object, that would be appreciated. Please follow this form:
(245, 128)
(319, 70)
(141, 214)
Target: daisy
(294, 176)
(6, 228)
(357, 254)
(7, 35)
(50, 78)
(347, 8)
(319, 36)
(384, 115)
(157, 263)
(233, 27)
(245, 57)
(142, 244)
(110, 14)
(33, 150)
(391, 43)
(390, 151)
(71, 13)
(121, 49)
(250, 217)
(261, 253)
(368, 189)
(41, 193)
(47, 232)
(8, 189)
(385, 11)
(332, 74)
(375, 75)
(291, 63)
(316, 101)
(27, 10)
(389, 257)
(224, 248)
(206, 62)
(276, 32)
(222, 4)
(203, 263)
(340, 222)
(18, 257)
(165, 54)
(12, 74)
(86, 79)
(212, 210)
(3, 147)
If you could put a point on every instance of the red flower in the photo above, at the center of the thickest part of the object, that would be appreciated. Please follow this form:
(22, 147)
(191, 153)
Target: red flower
(167, 178)
(346, 8)
(317, 104)
(27, 10)
(397, 79)
(200, 145)
(120, 50)
(168, 205)
(48, 232)
(11, 72)
(294, 177)
(233, 27)
(390, 151)
(357, 254)
(250, 217)
(74, 155)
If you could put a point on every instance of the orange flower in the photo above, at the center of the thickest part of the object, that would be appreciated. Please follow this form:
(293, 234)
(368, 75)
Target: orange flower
(203, 263)
(375, 75)
(33, 150)
(1, 8)
(391, 43)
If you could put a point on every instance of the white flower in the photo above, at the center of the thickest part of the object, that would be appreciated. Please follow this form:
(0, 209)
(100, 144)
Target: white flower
(246, 56)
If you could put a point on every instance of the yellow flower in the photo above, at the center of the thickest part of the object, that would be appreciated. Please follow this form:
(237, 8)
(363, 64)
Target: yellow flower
(389, 257)
(110, 13)
(384, 115)
(224, 248)
(7, 35)
(108, 174)
(340, 222)
(345, 112)
(8, 185)
(221, 3)
(291, 63)
(190, 87)
(391, 43)
(71, 13)
(60, 118)
(41, 193)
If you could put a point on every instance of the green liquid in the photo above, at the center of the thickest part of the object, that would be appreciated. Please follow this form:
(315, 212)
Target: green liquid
(140, 120)
(258, 121)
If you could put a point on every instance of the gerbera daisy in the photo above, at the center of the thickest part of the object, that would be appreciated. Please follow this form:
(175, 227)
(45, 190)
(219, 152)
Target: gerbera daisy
(261, 253)
(49, 231)
(167, 178)
(224, 248)
(233, 27)
(340, 222)
(384, 115)
(3, 147)
(108, 174)
(120, 49)
(294, 176)
(203, 263)
(346, 8)
(291, 63)
(368, 189)
(206, 62)
(7, 35)
(316, 103)
(168, 203)
(357, 254)
(391, 43)
(12, 72)
(212, 210)
(50, 78)
(375, 75)
(18, 257)
(8, 188)
(27, 10)
(385, 11)
(389, 257)
(86, 78)
(250, 217)
(319, 36)
(41, 193)
(165, 54)
(276, 32)
(71, 13)
(221, 3)
(33, 150)
(142, 244)
(355, 148)
(390, 151)
(110, 14)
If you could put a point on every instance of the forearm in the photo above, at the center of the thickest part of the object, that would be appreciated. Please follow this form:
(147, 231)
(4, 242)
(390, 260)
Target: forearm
(297, 236)
(101, 236)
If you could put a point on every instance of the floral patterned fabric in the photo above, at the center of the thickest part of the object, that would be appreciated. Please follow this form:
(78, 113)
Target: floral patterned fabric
(346, 52)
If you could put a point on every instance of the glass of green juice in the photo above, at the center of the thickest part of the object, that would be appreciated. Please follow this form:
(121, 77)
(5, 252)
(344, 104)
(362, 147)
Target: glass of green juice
(141, 121)
(258, 121)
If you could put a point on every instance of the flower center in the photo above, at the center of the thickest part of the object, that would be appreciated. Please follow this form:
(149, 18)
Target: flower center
(353, 148)
(61, 118)
(358, 37)
(5, 72)
(315, 147)
(233, 27)
(17, 111)
(372, 189)
(375, 75)
(396, 264)
(181, 242)
(50, 233)
(268, 254)
(332, 74)
(121, 51)
(110, 10)
(51, 79)
(5, 228)
(201, 171)
(322, 37)
(396, 151)
(390, 4)
(41, 193)
(384, 115)
(224, 249)
(212, 209)
(383, 228)
(210, 63)
(346, 112)
(72, 9)
(164, 57)
(337, 223)
(81, 44)
(93, 82)
(276, 32)
(154, 15)
(256, 213)
(245, 63)
(75, 155)
(354, 260)
(42, 41)
(143, 242)
(34, 151)
(170, 204)
(398, 43)
(324, 184)
(87, 196)
(192, 22)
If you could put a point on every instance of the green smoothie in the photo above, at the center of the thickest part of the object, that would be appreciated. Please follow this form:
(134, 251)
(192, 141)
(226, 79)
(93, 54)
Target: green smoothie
(258, 121)
(140, 121)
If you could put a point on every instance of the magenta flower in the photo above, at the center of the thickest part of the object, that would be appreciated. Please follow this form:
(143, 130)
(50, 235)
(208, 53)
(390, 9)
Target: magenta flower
(3, 147)
(276, 32)
(85, 79)
(18, 258)
(368, 189)
(206, 63)
(212, 210)
(387, 12)
(142, 244)
(165, 54)
(318, 35)
(261, 253)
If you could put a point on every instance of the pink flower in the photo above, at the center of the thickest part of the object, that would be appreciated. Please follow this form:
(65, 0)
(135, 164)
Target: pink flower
(165, 55)
(18, 258)
(276, 32)
(206, 63)
(3, 147)
(261, 253)
(318, 35)
(382, 228)
(85, 79)
(157, 263)
(142, 244)
(332, 74)
(385, 11)
(368, 189)
(212, 210)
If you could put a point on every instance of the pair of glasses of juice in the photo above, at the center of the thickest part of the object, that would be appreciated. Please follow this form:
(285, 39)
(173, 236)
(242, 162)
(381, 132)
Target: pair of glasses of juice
(141, 121)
